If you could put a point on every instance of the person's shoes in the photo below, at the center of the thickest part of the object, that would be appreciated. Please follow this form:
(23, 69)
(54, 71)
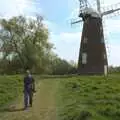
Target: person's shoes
(25, 108)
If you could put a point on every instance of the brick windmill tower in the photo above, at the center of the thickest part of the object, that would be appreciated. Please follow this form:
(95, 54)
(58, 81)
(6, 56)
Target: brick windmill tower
(92, 54)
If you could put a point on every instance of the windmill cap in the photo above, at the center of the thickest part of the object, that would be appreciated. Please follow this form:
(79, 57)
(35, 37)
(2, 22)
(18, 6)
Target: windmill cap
(91, 11)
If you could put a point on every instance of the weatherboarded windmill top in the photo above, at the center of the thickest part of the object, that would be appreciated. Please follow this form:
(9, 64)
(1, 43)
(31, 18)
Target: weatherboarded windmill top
(90, 11)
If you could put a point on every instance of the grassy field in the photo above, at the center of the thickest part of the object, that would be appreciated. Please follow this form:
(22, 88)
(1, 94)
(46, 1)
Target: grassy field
(44, 104)
(71, 98)
(89, 98)
(10, 88)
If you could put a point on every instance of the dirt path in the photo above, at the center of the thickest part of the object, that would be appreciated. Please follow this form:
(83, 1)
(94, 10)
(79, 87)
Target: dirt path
(43, 107)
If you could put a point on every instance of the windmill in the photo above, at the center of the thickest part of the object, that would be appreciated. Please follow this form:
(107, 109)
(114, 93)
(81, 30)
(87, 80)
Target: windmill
(92, 54)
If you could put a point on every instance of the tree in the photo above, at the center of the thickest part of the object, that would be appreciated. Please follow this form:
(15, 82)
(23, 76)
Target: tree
(60, 66)
(26, 40)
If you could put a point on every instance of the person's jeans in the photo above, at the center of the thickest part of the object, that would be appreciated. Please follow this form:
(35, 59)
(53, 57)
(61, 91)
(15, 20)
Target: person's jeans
(28, 98)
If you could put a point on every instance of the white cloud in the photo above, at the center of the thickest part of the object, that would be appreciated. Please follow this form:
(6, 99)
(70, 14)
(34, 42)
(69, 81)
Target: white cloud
(74, 14)
(112, 25)
(9, 8)
(67, 37)
(70, 37)
(114, 58)
(67, 44)
(50, 25)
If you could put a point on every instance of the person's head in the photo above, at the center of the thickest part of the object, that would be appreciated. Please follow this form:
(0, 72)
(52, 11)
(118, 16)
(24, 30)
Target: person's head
(28, 72)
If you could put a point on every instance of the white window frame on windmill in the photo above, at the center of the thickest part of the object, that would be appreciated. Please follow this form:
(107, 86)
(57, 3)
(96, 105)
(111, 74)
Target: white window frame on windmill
(85, 40)
(101, 29)
(105, 70)
(105, 56)
(102, 39)
(84, 58)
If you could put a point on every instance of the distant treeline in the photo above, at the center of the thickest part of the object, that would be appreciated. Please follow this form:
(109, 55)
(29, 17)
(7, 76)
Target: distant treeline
(112, 69)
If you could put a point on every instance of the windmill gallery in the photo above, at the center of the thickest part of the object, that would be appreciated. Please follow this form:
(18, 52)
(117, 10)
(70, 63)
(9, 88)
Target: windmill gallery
(92, 54)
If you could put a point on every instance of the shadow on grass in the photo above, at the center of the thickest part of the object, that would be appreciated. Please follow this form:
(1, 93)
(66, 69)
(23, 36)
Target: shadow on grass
(11, 110)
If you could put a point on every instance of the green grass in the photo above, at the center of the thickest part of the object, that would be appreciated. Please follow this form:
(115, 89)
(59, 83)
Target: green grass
(10, 88)
(78, 98)
(89, 98)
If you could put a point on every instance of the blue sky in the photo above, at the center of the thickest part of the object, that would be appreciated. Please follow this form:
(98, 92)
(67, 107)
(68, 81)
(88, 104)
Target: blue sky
(57, 15)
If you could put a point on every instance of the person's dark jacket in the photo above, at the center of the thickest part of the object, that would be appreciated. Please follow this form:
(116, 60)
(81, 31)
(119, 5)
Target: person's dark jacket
(29, 83)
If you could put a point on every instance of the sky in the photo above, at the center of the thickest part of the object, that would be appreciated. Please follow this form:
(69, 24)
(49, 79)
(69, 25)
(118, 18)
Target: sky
(58, 15)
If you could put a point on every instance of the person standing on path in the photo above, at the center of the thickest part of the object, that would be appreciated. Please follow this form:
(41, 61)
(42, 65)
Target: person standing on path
(29, 89)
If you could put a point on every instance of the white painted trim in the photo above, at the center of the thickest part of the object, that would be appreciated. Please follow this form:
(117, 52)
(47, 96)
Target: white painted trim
(84, 58)
(105, 70)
